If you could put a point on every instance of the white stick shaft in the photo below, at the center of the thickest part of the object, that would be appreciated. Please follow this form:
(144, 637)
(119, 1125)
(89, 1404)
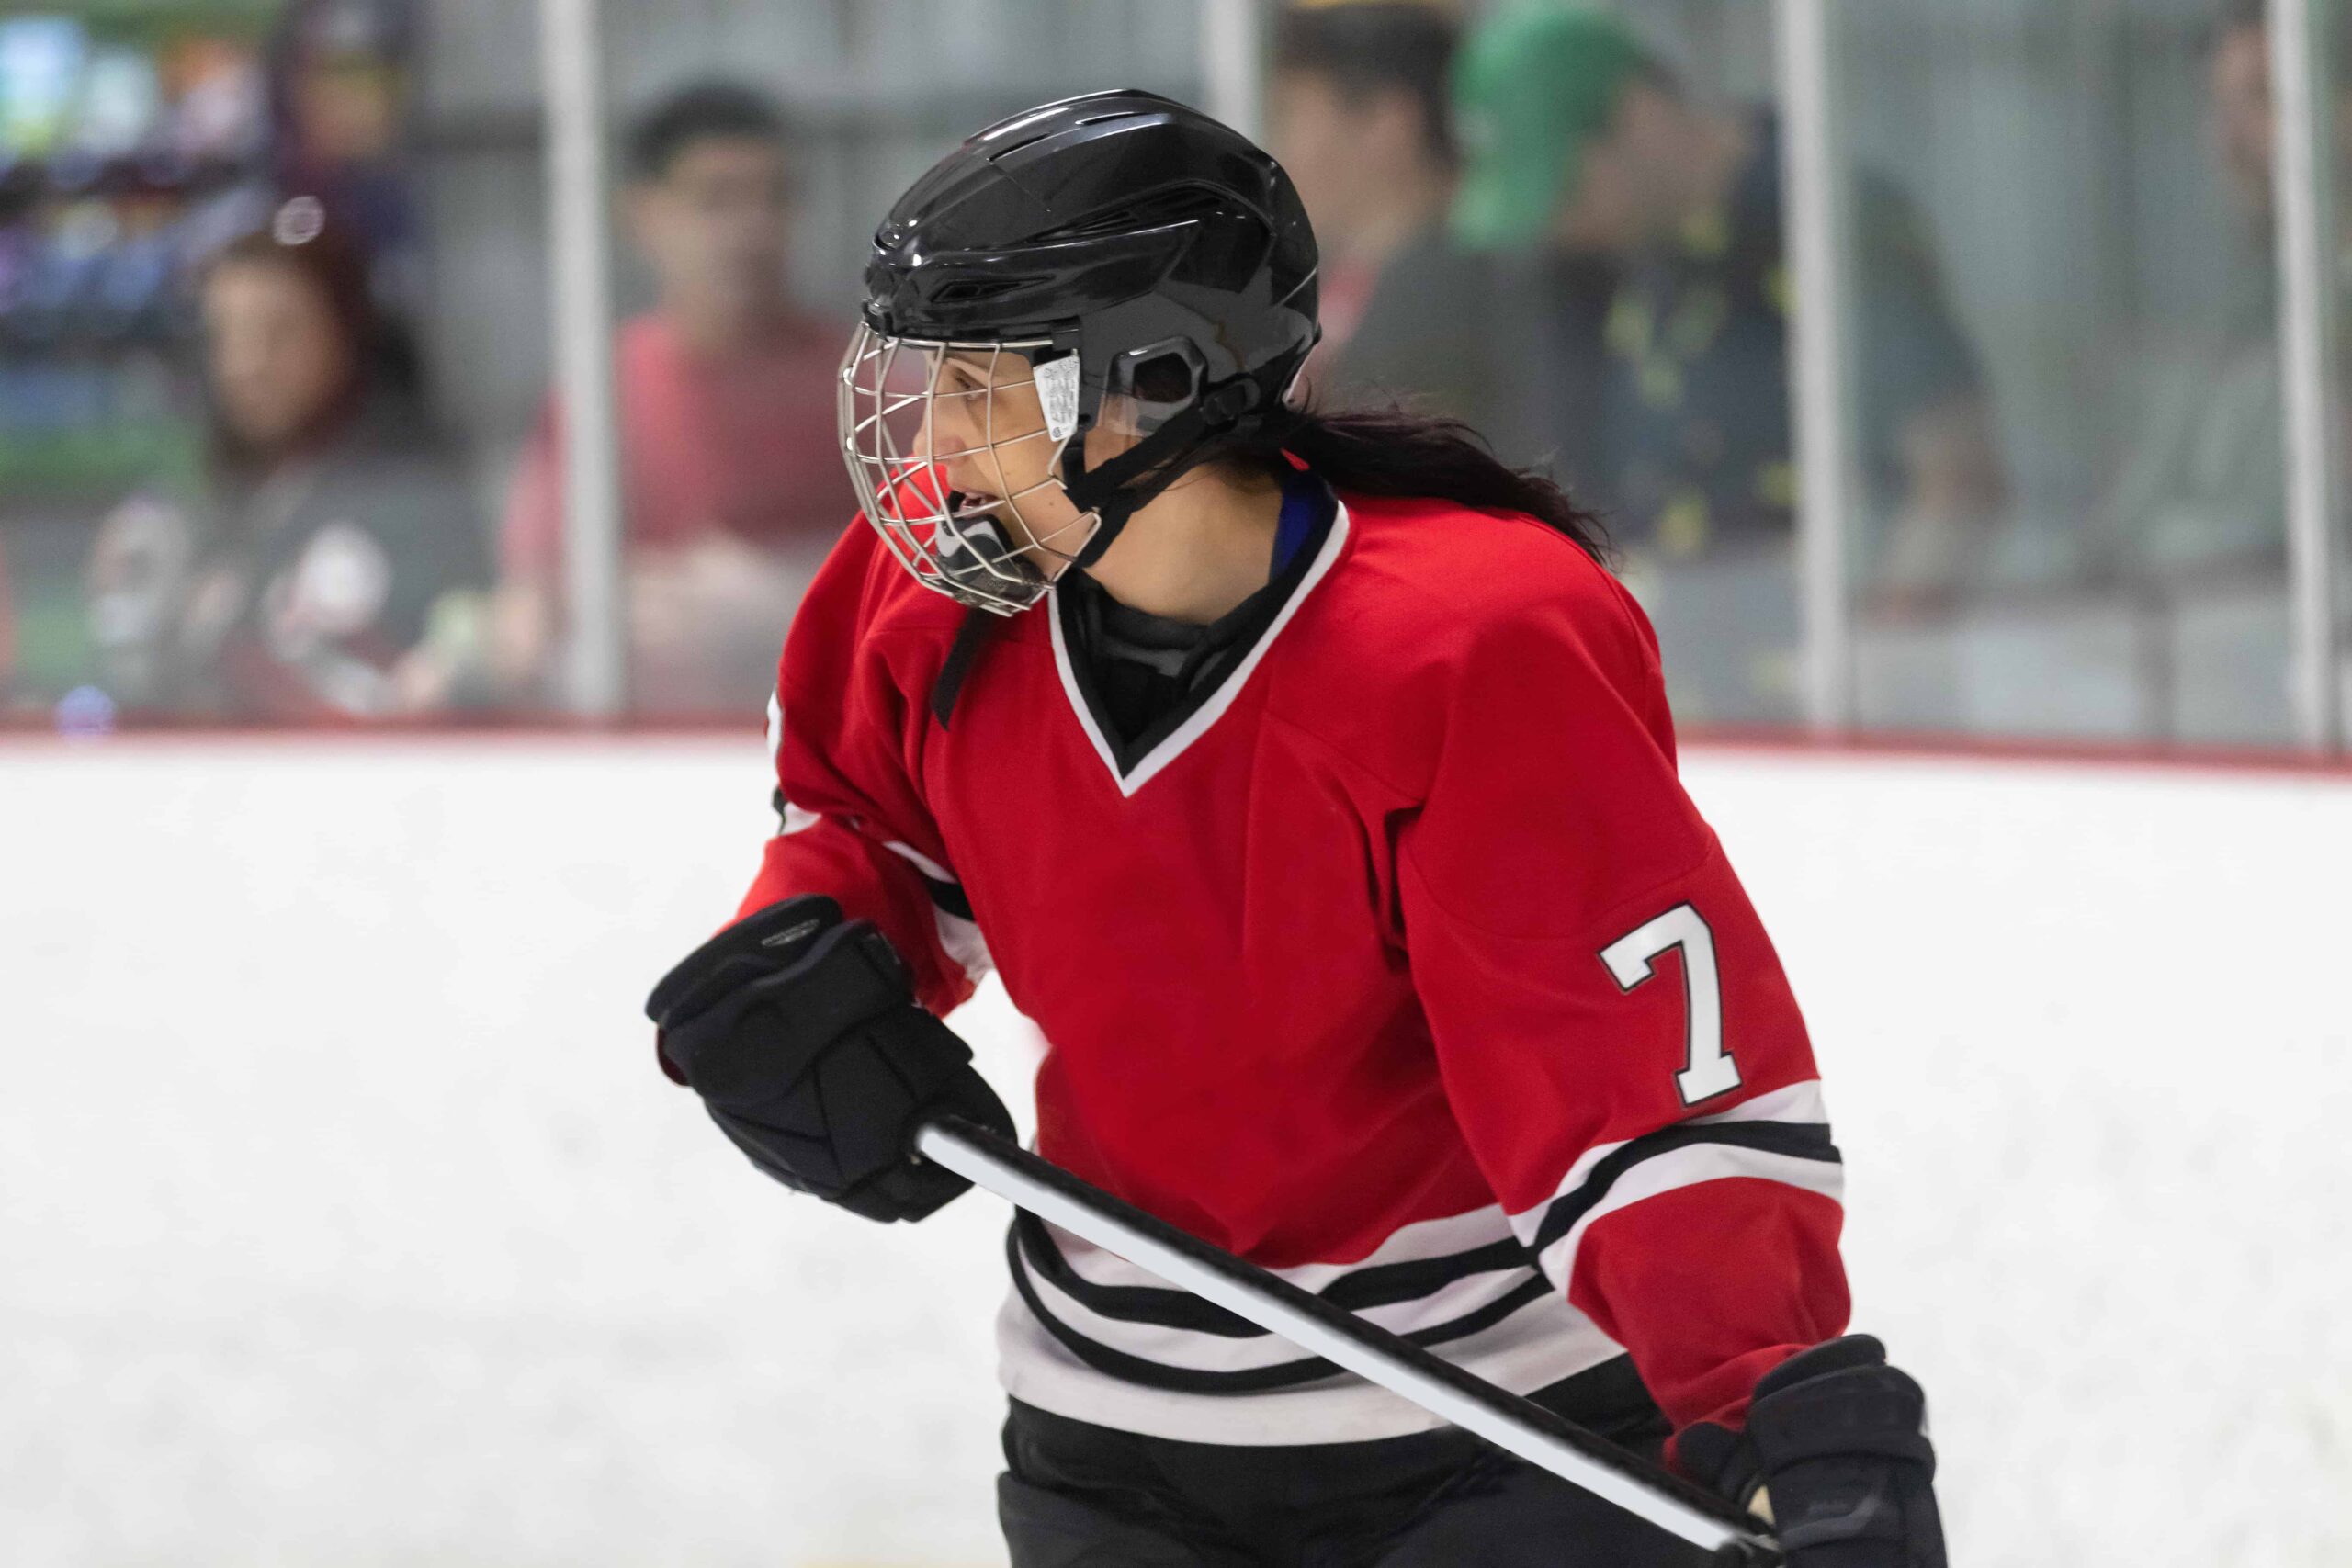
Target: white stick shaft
(984, 1167)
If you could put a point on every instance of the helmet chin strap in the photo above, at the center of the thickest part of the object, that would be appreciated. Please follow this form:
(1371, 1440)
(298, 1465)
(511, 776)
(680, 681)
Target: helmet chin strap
(1171, 450)
(1166, 455)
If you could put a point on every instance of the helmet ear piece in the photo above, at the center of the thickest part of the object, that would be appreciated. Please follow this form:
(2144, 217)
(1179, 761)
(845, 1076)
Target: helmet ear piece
(1160, 379)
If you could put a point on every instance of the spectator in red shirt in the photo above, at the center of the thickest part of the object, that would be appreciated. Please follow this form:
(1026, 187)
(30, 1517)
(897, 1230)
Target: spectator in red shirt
(733, 480)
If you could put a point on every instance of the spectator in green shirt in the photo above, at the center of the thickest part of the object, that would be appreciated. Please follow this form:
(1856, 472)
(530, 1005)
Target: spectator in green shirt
(1582, 142)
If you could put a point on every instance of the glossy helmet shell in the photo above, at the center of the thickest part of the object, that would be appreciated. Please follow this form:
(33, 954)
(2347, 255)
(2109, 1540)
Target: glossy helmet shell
(1121, 226)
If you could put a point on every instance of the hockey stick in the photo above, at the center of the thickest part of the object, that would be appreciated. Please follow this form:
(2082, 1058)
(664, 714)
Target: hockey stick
(1339, 1336)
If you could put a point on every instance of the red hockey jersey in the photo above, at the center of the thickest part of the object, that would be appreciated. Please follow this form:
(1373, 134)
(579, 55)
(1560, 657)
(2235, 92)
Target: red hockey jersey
(1402, 965)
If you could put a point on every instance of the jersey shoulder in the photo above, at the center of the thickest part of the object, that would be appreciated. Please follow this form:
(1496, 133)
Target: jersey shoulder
(1448, 580)
(866, 636)
(863, 595)
(1449, 627)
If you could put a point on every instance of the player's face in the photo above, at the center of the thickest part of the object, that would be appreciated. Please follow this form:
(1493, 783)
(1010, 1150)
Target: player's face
(986, 432)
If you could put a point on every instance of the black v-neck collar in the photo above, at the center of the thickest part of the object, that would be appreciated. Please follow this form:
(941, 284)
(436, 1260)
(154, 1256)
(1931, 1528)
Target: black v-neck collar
(1135, 762)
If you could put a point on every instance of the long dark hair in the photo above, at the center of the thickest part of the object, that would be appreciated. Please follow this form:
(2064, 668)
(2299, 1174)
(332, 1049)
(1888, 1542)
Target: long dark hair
(1395, 452)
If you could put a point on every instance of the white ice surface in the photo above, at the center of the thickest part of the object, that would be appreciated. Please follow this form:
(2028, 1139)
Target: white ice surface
(345, 1222)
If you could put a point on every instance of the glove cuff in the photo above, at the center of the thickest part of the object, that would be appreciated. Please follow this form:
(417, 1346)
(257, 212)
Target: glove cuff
(1839, 1400)
(760, 944)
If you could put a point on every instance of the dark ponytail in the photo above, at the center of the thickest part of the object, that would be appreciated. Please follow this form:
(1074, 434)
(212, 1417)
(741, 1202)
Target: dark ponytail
(1393, 452)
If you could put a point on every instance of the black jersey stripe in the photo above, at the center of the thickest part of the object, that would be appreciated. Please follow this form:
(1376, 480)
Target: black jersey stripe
(948, 896)
(1798, 1140)
(1383, 1284)
(1149, 1373)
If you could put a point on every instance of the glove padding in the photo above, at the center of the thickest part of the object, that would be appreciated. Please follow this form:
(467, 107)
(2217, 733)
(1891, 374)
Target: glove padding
(802, 1036)
(1837, 1439)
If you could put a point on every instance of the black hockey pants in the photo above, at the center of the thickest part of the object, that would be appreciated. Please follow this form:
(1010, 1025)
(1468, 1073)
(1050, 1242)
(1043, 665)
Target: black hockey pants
(1076, 1495)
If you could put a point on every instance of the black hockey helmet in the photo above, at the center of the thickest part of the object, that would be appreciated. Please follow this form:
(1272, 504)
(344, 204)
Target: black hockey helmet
(1124, 245)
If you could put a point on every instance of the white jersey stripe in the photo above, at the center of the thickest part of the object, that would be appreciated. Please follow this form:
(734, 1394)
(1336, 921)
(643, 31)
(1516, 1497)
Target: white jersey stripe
(962, 941)
(1530, 1350)
(1191, 1350)
(959, 938)
(921, 861)
(1799, 1104)
(1689, 1166)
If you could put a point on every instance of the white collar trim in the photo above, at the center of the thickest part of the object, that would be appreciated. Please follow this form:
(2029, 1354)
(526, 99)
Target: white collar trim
(1197, 724)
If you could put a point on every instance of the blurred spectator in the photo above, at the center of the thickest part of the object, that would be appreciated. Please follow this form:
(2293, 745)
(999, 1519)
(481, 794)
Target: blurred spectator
(2201, 493)
(1585, 144)
(1361, 117)
(732, 474)
(326, 573)
(341, 95)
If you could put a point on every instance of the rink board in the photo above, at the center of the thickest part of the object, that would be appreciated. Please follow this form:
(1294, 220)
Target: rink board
(345, 1222)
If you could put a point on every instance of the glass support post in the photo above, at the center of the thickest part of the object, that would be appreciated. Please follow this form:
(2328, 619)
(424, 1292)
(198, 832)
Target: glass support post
(2306, 338)
(1233, 66)
(594, 673)
(1818, 360)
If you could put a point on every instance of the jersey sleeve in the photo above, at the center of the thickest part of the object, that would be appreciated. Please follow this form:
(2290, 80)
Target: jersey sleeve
(1613, 1030)
(844, 727)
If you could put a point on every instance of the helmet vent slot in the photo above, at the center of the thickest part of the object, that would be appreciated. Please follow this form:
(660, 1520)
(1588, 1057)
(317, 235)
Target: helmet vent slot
(972, 290)
(1168, 208)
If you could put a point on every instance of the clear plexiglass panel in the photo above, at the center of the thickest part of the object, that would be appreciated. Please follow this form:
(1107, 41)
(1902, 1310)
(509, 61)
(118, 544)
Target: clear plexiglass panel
(754, 147)
(271, 323)
(2067, 386)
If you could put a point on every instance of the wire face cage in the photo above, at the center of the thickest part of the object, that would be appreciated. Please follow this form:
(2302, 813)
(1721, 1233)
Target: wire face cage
(917, 412)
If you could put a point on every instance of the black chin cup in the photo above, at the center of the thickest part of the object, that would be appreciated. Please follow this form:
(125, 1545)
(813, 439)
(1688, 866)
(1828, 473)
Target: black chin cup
(982, 569)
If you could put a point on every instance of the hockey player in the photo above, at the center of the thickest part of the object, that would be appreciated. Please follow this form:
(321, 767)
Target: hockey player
(1309, 781)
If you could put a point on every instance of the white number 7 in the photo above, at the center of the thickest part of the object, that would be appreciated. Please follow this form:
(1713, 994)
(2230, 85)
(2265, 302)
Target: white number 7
(1707, 1068)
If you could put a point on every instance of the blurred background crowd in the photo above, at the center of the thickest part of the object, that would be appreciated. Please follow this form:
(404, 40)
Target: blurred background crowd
(278, 443)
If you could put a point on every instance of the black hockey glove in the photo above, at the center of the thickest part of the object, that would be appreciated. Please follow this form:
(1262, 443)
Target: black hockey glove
(1836, 1443)
(801, 1034)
